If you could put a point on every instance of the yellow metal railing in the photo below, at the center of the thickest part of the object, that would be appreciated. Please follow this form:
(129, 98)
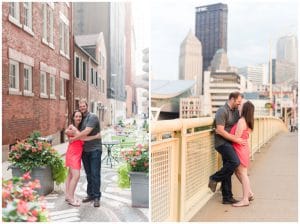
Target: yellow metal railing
(182, 159)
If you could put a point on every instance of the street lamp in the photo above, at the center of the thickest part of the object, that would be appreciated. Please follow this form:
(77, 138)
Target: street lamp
(115, 96)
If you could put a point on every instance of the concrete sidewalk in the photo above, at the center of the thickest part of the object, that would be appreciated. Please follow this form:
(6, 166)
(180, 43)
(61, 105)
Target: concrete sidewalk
(274, 179)
(115, 202)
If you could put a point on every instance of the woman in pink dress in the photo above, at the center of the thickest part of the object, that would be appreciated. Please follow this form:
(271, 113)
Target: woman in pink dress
(73, 157)
(242, 130)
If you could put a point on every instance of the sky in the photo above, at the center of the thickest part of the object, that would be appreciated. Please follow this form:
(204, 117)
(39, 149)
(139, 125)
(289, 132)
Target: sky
(252, 25)
(141, 19)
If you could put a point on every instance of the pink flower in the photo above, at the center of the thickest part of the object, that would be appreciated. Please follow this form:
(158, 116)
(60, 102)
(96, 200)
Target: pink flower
(13, 148)
(27, 146)
(18, 156)
(26, 176)
(27, 192)
(5, 193)
(22, 207)
(34, 149)
(140, 146)
(31, 219)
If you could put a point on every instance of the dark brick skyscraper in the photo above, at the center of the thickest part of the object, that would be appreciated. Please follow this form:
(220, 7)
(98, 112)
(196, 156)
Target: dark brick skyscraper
(211, 30)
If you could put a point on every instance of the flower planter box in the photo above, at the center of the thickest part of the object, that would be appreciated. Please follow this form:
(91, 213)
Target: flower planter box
(139, 189)
(43, 174)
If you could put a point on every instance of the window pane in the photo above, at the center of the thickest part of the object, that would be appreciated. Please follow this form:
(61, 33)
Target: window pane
(45, 21)
(26, 79)
(12, 76)
(77, 67)
(83, 71)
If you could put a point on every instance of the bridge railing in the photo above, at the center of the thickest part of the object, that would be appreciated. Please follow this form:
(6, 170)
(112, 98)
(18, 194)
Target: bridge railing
(182, 159)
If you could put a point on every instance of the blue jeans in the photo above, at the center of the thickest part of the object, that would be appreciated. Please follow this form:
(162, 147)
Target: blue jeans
(230, 163)
(92, 166)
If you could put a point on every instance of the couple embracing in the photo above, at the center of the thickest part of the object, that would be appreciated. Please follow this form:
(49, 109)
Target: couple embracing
(234, 122)
(84, 144)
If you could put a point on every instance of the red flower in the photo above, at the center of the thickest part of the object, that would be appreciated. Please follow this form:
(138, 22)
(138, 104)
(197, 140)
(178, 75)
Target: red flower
(22, 207)
(26, 176)
(34, 212)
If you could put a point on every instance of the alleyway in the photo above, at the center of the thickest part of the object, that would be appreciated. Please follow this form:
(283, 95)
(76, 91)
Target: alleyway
(115, 202)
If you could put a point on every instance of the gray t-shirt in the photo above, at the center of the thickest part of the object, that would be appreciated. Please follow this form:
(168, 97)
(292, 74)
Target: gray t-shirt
(226, 117)
(92, 121)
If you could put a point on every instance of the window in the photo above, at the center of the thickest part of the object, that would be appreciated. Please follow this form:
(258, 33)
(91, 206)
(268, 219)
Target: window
(62, 88)
(45, 21)
(27, 78)
(14, 11)
(64, 35)
(13, 75)
(77, 65)
(28, 14)
(48, 25)
(96, 78)
(83, 71)
(103, 86)
(92, 76)
(43, 83)
(50, 37)
(52, 85)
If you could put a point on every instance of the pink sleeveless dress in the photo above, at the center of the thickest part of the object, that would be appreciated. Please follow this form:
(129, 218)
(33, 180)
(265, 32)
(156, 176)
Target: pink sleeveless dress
(242, 151)
(73, 155)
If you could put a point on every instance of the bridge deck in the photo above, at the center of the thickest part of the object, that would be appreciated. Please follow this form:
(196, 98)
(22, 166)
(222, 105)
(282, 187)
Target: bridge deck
(274, 179)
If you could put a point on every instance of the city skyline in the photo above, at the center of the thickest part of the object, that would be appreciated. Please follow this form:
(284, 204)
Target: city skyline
(248, 47)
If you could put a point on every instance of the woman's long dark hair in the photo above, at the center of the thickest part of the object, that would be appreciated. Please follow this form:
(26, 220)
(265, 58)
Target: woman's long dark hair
(248, 114)
(72, 119)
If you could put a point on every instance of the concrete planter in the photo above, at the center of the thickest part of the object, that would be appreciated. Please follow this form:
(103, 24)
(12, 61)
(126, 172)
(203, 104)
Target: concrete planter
(43, 174)
(139, 189)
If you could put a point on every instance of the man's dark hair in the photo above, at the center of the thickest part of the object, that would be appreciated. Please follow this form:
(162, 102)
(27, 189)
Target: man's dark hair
(234, 95)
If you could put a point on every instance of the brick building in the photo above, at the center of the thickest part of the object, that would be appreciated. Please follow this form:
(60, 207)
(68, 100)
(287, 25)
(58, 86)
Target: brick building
(36, 68)
(90, 75)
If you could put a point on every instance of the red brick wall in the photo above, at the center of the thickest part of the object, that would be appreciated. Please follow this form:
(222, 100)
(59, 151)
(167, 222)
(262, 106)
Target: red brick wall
(23, 114)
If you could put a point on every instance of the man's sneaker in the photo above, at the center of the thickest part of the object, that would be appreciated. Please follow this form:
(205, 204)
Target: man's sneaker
(212, 184)
(229, 201)
(87, 199)
(97, 202)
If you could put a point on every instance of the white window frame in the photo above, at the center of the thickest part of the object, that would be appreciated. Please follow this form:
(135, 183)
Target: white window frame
(52, 87)
(45, 23)
(51, 19)
(27, 6)
(15, 90)
(15, 17)
(62, 92)
(64, 41)
(43, 84)
(27, 92)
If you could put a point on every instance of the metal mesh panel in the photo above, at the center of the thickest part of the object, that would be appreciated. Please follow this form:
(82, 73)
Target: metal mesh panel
(201, 162)
(160, 182)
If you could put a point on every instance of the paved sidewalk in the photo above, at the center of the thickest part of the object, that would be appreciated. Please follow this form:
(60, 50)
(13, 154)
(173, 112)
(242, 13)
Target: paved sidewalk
(273, 177)
(115, 202)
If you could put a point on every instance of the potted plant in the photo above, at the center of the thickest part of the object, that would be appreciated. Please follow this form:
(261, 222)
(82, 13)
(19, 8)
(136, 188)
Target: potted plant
(137, 164)
(43, 162)
(20, 201)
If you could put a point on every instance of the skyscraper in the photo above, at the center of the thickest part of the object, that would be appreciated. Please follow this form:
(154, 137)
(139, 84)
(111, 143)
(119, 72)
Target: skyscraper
(211, 30)
(190, 61)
